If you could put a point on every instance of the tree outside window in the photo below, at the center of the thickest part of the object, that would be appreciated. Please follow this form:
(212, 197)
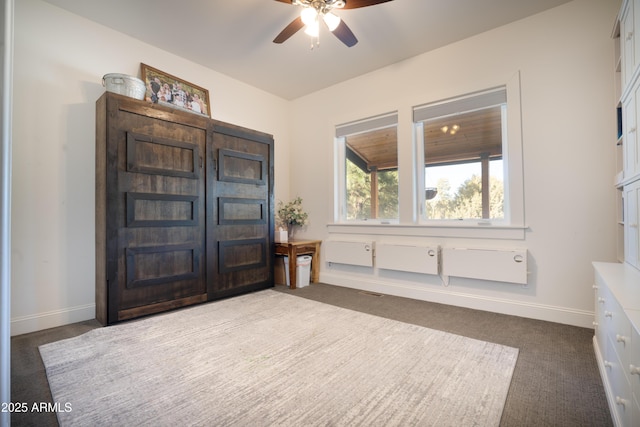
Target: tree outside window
(359, 201)
(370, 165)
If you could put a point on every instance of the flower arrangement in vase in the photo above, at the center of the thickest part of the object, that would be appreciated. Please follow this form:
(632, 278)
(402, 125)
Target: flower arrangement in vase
(292, 215)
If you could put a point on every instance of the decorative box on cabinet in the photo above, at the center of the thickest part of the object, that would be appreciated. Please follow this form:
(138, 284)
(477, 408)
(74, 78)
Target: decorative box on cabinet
(617, 338)
(184, 209)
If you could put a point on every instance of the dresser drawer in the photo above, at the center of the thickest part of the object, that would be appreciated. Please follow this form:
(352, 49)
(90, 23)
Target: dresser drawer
(618, 327)
(599, 323)
(634, 366)
(621, 390)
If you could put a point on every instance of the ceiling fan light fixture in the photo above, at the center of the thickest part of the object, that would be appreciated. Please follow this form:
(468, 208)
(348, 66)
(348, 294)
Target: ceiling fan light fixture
(309, 16)
(313, 10)
(313, 29)
(332, 20)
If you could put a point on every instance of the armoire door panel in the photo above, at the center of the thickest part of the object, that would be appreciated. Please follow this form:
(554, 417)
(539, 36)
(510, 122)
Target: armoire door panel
(242, 255)
(157, 265)
(156, 218)
(161, 266)
(236, 166)
(162, 156)
(241, 212)
(161, 210)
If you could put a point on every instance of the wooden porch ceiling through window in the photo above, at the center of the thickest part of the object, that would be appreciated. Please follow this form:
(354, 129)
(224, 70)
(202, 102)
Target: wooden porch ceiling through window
(479, 132)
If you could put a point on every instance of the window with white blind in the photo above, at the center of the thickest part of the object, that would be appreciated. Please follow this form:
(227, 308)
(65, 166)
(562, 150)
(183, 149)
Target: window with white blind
(462, 141)
(368, 169)
(469, 159)
(467, 179)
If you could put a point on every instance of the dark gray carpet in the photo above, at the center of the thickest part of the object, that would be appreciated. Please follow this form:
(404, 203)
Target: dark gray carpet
(555, 383)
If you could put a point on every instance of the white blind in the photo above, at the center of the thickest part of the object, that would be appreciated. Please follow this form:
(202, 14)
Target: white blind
(452, 106)
(366, 125)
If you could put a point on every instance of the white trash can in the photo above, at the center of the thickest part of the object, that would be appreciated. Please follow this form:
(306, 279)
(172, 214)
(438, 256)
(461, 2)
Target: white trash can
(303, 272)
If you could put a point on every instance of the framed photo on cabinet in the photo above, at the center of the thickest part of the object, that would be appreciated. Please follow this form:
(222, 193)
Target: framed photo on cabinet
(165, 89)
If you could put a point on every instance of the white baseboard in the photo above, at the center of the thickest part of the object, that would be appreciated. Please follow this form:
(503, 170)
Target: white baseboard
(567, 316)
(52, 319)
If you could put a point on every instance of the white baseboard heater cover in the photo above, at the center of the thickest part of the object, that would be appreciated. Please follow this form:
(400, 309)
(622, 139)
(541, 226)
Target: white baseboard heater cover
(413, 259)
(347, 252)
(502, 265)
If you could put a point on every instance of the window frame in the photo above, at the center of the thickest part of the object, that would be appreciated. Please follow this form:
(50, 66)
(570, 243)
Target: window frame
(342, 131)
(513, 227)
(420, 155)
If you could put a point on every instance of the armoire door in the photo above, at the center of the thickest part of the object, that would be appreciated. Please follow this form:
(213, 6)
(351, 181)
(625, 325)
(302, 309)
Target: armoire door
(155, 215)
(240, 211)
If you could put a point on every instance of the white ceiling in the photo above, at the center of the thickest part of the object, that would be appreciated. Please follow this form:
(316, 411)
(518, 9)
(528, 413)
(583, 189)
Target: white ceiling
(234, 37)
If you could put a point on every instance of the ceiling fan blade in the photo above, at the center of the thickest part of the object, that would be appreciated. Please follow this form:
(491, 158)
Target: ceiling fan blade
(289, 30)
(284, 1)
(355, 4)
(344, 33)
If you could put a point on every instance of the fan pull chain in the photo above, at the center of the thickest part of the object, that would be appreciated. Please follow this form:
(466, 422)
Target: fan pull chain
(315, 42)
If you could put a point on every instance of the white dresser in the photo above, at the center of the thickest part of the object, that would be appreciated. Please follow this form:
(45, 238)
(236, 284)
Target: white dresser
(617, 338)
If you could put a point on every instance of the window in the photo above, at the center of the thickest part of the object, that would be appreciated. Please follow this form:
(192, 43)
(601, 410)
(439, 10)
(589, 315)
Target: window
(368, 170)
(467, 174)
(463, 145)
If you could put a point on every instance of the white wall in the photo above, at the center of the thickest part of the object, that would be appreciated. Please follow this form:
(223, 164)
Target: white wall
(565, 57)
(60, 59)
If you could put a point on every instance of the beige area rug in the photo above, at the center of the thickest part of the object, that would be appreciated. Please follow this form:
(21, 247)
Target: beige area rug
(269, 358)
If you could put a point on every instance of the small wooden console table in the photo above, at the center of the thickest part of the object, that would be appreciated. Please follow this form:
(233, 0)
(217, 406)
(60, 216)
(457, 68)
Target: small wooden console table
(301, 247)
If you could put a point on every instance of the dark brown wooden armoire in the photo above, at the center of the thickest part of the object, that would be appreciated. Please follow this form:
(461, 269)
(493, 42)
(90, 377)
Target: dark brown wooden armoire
(184, 209)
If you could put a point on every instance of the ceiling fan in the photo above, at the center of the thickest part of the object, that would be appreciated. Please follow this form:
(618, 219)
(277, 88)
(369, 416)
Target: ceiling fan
(314, 11)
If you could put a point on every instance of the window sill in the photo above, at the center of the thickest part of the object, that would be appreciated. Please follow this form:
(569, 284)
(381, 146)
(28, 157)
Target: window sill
(422, 230)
